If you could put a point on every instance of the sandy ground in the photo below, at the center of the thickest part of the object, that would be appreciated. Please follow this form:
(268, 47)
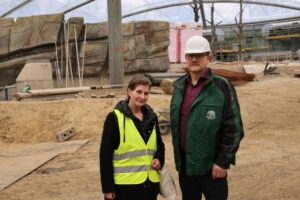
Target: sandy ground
(268, 161)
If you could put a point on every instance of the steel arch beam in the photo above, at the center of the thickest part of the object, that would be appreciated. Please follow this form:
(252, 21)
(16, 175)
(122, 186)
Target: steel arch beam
(212, 1)
(16, 8)
(289, 19)
(77, 6)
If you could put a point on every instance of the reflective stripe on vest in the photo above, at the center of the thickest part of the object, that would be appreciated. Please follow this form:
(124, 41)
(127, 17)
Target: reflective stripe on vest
(132, 160)
(133, 154)
(126, 169)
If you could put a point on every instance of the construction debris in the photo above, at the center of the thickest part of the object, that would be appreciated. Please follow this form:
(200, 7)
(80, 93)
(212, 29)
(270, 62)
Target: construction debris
(110, 95)
(94, 96)
(108, 86)
(65, 134)
(296, 73)
(252, 68)
(236, 78)
(49, 92)
(63, 93)
(270, 69)
(156, 78)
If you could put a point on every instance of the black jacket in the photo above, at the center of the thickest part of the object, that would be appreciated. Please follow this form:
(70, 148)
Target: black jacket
(111, 140)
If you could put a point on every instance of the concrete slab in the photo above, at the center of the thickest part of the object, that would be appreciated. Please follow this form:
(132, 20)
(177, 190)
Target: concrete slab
(37, 74)
(36, 70)
(17, 161)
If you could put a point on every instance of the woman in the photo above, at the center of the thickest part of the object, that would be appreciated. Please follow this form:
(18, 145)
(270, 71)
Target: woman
(131, 149)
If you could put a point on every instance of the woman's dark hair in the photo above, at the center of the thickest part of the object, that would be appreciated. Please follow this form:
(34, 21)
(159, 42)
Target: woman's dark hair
(138, 80)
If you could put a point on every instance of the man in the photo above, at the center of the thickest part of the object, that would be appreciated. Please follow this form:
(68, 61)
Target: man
(206, 126)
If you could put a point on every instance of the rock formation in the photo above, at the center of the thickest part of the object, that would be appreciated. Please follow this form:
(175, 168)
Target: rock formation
(145, 45)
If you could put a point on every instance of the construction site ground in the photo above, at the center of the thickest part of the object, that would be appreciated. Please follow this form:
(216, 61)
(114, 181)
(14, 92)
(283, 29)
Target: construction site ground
(268, 160)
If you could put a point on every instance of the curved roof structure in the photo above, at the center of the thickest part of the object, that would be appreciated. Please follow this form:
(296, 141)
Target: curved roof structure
(171, 10)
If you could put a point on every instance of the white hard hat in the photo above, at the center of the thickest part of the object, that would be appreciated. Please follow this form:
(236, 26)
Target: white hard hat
(196, 44)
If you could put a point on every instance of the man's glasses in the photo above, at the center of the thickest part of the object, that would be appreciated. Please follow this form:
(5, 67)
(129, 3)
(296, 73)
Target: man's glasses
(196, 56)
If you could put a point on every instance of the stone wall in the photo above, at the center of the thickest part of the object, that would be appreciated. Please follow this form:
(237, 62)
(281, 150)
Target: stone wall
(145, 45)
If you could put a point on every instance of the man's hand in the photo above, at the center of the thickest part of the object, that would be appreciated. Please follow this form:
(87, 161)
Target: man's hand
(110, 195)
(155, 164)
(218, 172)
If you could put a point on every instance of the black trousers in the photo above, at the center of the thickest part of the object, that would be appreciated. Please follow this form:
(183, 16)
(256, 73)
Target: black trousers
(192, 187)
(144, 191)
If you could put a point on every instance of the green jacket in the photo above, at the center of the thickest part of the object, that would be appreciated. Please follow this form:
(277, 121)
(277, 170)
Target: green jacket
(214, 128)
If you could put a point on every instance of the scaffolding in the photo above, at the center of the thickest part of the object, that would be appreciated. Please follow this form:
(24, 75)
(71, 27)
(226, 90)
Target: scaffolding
(268, 42)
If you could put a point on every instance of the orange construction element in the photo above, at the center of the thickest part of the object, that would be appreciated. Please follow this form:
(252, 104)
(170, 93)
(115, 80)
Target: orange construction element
(236, 78)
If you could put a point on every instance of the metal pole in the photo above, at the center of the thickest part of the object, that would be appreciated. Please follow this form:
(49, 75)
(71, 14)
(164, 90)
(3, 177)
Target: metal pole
(178, 45)
(77, 57)
(16, 8)
(83, 56)
(280, 5)
(202, 13)
(6, 93)
(67, 56)
(116, 68)
(58, 78)
(77, 6)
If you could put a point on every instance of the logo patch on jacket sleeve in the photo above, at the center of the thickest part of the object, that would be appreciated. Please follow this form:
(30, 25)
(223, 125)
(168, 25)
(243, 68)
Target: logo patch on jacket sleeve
(211, 115)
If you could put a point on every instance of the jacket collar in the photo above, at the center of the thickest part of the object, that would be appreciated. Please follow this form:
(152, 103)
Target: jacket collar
(123, 107)
(181, 81)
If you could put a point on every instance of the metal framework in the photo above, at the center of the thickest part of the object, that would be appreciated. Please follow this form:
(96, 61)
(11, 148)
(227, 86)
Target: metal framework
(16, 8)
(288, 19)
(211, 1)
(115, 19)
(77, 6)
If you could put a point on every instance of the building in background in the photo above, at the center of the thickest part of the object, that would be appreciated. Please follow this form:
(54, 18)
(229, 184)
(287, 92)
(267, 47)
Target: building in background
(261, 42)
(179, 33)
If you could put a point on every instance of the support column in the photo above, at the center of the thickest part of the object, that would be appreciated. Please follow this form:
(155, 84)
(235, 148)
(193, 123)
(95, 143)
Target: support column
(115, 44)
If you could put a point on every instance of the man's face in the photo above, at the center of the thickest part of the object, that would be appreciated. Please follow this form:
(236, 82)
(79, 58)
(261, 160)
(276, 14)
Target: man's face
(196, 62)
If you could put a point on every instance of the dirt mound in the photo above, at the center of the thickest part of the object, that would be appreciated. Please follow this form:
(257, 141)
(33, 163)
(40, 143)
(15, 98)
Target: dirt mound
(31, 122)
(267, 160)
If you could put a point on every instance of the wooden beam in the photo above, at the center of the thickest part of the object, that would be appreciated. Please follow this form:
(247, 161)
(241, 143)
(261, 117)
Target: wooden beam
(116, 68)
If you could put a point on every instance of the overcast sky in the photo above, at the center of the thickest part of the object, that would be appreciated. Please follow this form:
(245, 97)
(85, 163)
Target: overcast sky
(97, 11)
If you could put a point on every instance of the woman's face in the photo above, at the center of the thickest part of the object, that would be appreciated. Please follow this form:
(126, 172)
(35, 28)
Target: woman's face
(139, 96)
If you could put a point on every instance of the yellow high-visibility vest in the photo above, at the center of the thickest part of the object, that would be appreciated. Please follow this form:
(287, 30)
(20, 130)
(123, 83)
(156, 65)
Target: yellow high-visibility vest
(132, 160)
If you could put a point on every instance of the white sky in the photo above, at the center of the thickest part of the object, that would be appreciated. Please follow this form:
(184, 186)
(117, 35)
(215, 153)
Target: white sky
(97, 10)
